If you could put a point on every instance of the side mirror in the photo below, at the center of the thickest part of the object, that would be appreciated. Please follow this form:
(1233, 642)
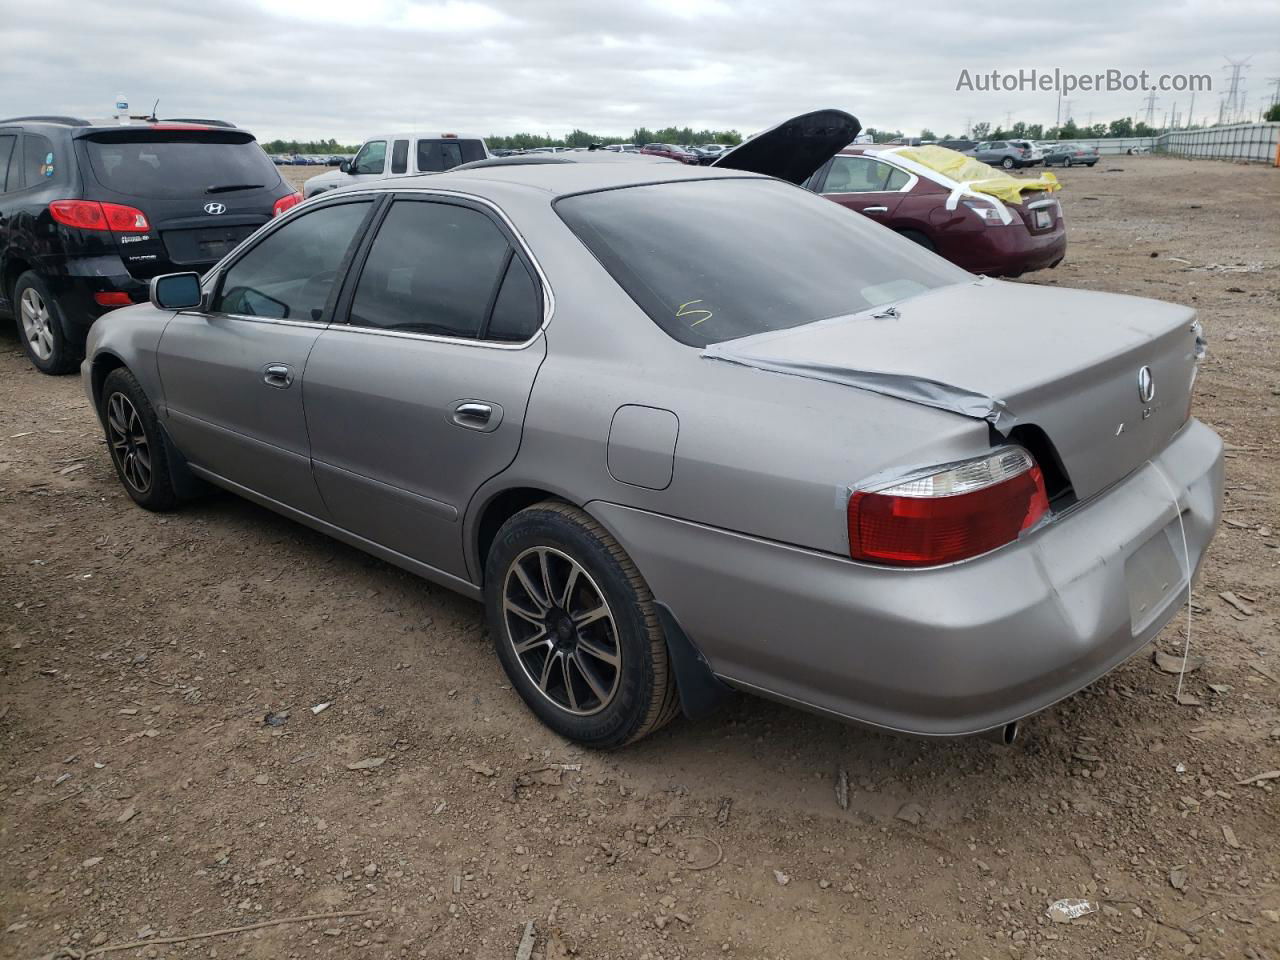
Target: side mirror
(176, 291)
(345, 166)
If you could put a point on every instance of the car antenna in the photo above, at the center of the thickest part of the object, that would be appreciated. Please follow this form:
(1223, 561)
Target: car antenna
(153, 118)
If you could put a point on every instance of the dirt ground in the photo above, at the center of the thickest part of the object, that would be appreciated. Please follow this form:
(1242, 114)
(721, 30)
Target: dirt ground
(151, 784)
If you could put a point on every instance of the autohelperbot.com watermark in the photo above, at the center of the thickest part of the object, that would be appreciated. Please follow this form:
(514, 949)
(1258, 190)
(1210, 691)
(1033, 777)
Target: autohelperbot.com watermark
(1062, 81)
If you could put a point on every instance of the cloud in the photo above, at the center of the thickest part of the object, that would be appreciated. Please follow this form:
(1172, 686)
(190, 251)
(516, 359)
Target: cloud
(345, 68)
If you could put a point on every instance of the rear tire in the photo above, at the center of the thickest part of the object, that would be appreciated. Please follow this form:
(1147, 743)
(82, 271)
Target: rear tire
(136, 442)
(576, 628)
(40, 329)
(1008, 163)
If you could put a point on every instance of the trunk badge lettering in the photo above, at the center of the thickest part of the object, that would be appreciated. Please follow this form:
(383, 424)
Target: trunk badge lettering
(217, 208)
(1146, 385)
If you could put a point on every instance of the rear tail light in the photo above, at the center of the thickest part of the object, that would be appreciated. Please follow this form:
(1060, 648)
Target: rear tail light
(951, 514)
(113, 298)
(91, 215)
(986, 211)
(286, 203)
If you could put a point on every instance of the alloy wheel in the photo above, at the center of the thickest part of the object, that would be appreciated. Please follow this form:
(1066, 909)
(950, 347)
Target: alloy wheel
(562, 631)
(36, 323)
(128, 442)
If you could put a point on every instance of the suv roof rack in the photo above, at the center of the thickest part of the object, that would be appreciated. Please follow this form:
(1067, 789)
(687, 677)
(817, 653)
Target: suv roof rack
(66, 121)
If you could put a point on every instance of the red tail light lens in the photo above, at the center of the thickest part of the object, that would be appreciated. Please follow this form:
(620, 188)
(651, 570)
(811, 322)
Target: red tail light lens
(286, 203)
(956, 513)
(91, 215)
(112, 298)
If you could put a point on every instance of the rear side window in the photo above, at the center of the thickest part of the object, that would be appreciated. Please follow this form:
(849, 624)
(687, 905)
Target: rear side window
(400, 157)
(715, 260)
(180, 165)
(7, 143)
(517, 312)
(38, 160)
(435, 156)
(433, 269)
(289, 275)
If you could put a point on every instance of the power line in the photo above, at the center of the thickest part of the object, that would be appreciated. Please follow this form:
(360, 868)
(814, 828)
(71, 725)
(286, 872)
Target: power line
(1150, 100)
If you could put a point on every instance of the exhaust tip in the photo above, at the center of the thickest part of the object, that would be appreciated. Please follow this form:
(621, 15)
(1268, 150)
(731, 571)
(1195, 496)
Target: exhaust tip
(1006, 736)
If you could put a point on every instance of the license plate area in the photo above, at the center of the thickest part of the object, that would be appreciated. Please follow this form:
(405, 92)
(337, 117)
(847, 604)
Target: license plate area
(1152, 574)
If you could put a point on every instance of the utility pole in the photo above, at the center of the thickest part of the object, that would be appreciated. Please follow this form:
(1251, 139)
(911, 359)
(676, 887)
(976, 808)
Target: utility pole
(1191, 111)
(1066, 114)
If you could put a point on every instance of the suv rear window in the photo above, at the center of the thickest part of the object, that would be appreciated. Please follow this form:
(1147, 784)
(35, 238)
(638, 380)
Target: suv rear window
(715, 260)
(161, 165)
(435, 156)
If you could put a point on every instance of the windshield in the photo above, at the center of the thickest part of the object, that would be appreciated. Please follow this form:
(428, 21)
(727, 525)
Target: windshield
(714, 260)
(180, 165)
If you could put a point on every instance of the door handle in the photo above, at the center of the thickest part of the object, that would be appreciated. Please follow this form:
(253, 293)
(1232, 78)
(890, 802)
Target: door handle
(478, 415)
(875, 209)
(279, 375)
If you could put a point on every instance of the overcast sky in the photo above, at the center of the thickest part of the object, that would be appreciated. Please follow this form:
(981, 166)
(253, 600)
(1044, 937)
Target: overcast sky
(347, 68)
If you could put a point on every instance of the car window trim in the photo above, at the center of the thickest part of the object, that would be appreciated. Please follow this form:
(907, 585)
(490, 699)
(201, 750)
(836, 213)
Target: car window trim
(218, 275)
(515, 241)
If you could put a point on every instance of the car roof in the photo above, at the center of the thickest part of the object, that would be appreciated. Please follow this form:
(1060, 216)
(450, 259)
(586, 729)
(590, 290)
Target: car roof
(559, 174)
(418, 135)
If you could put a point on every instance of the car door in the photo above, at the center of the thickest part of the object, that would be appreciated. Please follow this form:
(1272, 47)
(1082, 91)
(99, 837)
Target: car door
(865, 184)
(8, 152)
(419, 396)
(232, 373)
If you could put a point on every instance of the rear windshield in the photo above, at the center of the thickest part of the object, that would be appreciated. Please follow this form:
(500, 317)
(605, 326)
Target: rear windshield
(435, 156)
(180, 165)
(714, 260)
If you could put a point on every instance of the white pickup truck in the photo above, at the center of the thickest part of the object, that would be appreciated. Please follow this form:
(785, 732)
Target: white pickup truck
(400, 155)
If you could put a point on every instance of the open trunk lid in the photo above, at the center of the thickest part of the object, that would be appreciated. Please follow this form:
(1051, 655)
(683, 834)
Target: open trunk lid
(203, 190)
(1107, 377)
(795, 148)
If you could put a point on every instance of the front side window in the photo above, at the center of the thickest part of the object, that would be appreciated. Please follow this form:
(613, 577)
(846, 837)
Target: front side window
(371, 159)
(289, 275)
(744, 256)
(433, 269)
(862, 175)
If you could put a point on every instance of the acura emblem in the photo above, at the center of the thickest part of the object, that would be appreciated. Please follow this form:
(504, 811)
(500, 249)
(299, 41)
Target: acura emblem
(1146, 385)
(217, 208)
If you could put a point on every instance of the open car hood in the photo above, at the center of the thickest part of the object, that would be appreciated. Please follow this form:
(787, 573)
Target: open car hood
(795, 148)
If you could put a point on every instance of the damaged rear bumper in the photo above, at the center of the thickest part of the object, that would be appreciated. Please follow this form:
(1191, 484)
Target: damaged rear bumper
(945, 651)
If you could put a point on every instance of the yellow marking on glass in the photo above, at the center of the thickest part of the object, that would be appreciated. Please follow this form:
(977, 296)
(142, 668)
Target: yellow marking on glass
(683, 312)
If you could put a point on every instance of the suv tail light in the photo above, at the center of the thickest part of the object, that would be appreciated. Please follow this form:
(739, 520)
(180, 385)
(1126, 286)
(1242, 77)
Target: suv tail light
(956, 512)
(286, 203)
(92, 215)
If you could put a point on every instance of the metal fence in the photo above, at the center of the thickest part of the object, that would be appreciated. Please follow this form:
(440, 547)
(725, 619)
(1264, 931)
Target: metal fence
(1259, 142)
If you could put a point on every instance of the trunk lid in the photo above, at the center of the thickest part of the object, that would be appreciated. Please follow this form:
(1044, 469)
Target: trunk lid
(795, 148)
(202, 190)
(1070, 362)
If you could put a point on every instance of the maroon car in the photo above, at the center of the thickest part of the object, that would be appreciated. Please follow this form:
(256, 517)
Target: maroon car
(669, 150)
(913, 201)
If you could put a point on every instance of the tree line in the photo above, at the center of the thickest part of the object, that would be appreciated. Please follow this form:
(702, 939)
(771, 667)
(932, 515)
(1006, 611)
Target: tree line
(1124, 127)
(329, 146)
(686, 136)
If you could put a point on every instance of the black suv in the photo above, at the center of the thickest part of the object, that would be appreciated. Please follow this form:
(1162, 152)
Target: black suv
(90, 211)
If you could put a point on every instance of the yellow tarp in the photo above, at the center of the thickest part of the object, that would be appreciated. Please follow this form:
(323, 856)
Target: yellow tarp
(977, 175)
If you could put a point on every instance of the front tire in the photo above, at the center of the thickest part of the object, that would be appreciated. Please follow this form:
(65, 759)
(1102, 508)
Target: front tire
(1066, 162)
(137, 443)
(40, 328)
(576, 628)
(916, 237)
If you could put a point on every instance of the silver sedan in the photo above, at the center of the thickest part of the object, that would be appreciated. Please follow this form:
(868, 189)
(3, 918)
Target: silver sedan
(689, 429)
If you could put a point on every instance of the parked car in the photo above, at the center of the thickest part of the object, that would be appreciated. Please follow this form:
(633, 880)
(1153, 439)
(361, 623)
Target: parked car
(879, 183)
(92, 210)
(1002, 153)
(400, 155)
(670, 151)
(959, 146)
(377, 365)
(1071, 154)
(1030, 151)
(622, 148)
